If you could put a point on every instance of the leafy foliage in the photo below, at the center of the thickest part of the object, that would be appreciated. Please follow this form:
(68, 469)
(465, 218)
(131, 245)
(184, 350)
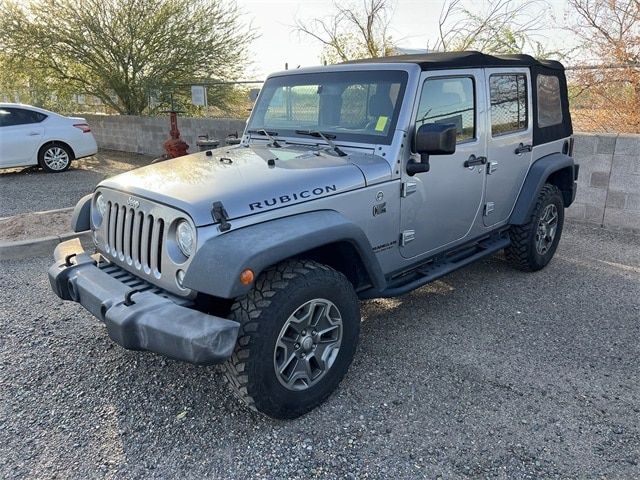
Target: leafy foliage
(120, 50)
(607, 97)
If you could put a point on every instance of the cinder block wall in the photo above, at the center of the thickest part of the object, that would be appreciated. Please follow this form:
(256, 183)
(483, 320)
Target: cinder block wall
(147, 134)
(609, 183)
(608, 187)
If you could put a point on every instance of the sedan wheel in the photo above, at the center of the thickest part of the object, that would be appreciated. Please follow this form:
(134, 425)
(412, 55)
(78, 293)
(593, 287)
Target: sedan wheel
(55, 158)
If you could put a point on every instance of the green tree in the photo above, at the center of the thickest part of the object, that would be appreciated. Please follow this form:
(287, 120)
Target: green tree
(120, 50)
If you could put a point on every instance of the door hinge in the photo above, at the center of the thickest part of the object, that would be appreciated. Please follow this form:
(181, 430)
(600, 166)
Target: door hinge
(489, 207)
(407, 236)
(408, 188)
(491, 167)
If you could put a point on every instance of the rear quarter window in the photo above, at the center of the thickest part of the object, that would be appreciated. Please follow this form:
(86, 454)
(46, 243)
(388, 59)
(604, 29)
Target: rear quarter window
(549, 103)
(509, 108)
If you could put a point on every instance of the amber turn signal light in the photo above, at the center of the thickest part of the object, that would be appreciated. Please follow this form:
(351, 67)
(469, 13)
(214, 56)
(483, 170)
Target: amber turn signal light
(247, 276)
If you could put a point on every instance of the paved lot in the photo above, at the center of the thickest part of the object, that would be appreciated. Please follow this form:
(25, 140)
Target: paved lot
(31, 189)
(488, 373)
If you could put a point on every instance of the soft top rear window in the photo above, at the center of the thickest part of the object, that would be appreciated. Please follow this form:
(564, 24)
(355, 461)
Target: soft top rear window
(549, 102)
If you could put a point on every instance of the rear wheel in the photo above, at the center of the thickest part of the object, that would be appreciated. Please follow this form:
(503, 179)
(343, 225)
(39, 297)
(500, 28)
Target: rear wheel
(298, 334)
(55, 157)
(534, 243)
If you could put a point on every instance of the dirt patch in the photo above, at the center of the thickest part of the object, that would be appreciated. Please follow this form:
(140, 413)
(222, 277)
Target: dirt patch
(27, 226)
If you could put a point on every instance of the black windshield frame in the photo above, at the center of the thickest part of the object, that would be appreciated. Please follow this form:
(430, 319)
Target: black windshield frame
(340, 77)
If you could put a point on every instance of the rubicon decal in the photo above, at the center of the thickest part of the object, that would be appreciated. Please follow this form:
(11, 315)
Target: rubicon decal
(293, 197)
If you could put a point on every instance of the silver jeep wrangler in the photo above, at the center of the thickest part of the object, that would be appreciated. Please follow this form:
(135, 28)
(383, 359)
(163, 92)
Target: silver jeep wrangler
(354, 181)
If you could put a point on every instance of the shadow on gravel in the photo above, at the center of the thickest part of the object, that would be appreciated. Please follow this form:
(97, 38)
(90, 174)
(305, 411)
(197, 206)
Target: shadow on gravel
(489, 372)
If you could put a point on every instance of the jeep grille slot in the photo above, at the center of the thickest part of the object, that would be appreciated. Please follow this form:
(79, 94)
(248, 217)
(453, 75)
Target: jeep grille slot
(135, 237)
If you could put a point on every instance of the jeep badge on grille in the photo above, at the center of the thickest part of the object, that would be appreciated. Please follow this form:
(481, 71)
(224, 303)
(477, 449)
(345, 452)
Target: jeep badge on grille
(133, 203)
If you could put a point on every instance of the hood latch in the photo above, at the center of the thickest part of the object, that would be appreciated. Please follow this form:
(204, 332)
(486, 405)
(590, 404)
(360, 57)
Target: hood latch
(220, 215)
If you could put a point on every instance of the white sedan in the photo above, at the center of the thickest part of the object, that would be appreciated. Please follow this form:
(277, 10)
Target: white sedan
(34, 136)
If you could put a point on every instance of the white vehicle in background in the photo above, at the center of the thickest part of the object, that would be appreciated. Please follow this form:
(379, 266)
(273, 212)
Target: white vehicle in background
(34, 136)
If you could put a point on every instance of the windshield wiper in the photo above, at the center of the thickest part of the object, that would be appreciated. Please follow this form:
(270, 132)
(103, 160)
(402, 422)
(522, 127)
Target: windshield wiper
(268, 134)
(326, 137)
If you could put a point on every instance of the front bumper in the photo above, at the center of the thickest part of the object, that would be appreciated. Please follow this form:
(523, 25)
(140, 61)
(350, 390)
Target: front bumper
(140, 317)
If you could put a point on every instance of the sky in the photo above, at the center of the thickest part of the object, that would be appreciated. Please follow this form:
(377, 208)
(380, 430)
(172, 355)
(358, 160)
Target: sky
(413, 24)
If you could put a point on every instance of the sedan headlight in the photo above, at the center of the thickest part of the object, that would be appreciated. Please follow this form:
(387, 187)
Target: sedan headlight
(185, 236)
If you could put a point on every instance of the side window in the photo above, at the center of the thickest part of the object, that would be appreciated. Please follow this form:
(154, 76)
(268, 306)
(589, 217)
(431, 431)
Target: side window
(508, 95)
(549, 104)
(5, 117)
(19, 116)
(449, 101)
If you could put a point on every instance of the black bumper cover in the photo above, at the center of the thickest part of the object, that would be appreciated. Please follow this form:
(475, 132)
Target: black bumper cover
(144, 321)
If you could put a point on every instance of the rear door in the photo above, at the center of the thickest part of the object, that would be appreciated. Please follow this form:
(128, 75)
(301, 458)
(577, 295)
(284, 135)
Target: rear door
(21, 133)
(510, 141)
(440, 206)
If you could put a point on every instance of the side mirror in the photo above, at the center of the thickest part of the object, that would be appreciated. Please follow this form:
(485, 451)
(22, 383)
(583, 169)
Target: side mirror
(432, 139)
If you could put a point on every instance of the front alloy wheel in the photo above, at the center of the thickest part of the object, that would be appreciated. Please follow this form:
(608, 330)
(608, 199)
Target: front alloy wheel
(308, 344)
(299, 329)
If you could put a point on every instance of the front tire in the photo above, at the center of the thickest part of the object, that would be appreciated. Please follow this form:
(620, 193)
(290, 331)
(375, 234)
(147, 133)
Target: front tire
(299, 328)
(55, 157)
(534, 243)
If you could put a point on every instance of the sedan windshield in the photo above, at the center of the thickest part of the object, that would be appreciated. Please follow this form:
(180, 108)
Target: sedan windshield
(358, 106)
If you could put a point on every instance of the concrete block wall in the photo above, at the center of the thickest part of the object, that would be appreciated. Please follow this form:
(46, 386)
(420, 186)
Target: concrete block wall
(609, 183)
(608, 187)
(147, 134)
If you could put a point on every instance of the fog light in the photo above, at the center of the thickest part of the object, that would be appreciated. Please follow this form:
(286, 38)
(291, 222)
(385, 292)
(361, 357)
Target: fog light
(180, 278)
(247, 276)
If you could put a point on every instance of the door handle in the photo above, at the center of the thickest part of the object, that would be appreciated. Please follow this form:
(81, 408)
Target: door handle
(473, 160)
(34, 133)
(522, 148)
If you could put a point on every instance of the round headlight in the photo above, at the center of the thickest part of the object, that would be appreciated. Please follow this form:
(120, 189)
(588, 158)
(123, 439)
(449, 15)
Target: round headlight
(101, 203)
(185, 236)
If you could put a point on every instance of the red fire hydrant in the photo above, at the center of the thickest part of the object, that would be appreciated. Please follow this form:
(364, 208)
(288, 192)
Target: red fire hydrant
(175, 146)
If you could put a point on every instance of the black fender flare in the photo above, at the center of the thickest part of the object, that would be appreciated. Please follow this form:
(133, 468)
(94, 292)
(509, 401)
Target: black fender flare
(537, 176)
(216, 266)
(81, 218)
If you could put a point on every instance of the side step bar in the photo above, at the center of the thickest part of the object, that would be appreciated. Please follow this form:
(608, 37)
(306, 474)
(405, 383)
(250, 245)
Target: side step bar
(441, 266)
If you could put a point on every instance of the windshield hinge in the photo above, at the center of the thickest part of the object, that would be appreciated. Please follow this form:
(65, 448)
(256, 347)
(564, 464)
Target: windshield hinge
(220, 215)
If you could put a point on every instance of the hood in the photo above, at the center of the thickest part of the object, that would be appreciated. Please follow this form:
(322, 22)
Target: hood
(244, 181)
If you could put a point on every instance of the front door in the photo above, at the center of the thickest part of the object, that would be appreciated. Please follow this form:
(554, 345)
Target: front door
(440, 206)
(509, 153)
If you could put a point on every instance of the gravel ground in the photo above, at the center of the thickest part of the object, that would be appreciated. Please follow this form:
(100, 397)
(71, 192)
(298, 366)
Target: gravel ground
(32, 190)
(487, 373)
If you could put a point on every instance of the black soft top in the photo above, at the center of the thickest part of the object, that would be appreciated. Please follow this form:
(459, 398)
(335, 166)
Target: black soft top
(468, 59)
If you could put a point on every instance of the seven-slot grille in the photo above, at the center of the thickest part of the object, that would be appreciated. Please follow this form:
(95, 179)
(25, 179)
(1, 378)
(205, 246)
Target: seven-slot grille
(134, 237)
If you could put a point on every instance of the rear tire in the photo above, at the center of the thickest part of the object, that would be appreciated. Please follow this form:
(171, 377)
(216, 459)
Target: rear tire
(534, 243)
(55, 157)
(299, 328)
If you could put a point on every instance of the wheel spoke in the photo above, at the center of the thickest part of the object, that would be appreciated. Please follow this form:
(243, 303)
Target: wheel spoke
(323, 333)
(287, 362)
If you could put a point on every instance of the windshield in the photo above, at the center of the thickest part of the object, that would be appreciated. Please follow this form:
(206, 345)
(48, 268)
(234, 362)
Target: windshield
(358, 106)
